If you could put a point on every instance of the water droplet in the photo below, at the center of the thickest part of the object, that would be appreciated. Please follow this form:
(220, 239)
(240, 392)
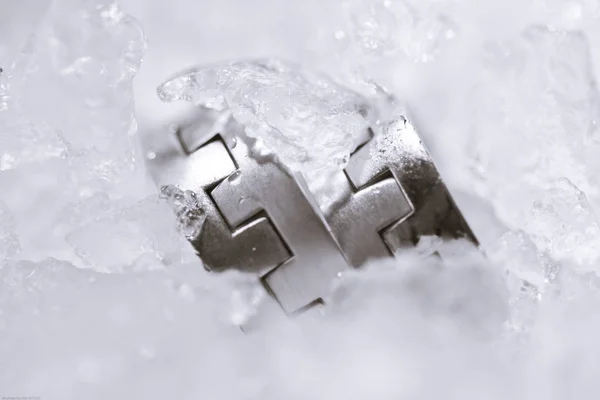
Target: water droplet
(234, 178)
(232, 143)
(254, 249)
(150, 155)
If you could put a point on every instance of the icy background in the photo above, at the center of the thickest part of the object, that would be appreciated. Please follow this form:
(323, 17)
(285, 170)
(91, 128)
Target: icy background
(100, 296)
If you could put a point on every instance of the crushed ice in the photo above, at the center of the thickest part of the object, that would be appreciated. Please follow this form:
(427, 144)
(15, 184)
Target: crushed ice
(100, 295)
(188, 210)
(309, 118)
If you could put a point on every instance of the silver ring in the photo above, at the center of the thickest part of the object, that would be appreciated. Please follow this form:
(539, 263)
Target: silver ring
(255, 215)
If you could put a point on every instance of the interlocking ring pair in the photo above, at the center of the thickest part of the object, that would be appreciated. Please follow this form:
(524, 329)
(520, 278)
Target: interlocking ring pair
(261, 217)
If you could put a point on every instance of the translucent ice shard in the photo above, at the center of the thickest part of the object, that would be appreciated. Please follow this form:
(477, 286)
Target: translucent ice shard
(24, 141)
(564, 224)
(139, 236)
(524, 260)
(310, 120)
(67, 120)
(188, 209)
(70, 88)
(533, 139)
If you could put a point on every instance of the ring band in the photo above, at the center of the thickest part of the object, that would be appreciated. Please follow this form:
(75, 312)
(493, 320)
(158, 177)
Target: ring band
(260, 217)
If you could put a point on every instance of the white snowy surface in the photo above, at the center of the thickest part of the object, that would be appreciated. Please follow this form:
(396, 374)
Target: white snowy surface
(101, 297)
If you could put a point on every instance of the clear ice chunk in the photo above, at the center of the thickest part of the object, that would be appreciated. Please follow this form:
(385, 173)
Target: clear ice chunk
(188, 208)
(67, 120)
(82, 61)
(563, 224)
(516, 252)
(378, 28)
(533, 139)
(308, 119)
(138, 236)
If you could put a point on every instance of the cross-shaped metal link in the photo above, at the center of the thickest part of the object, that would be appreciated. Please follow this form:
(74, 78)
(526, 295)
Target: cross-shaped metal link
(394, 197)
(261, 218)
(399, 152)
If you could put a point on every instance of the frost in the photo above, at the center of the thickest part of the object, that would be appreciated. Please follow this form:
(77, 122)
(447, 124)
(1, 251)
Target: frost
(410, 145)
(523, 259)
(23, 141)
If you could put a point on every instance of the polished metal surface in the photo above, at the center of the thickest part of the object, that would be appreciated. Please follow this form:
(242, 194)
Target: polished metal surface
(261, 218)
(258, 218)
(395, 197)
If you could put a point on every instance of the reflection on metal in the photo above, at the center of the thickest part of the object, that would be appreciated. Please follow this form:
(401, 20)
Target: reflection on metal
(261, 218)
(398, 191)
